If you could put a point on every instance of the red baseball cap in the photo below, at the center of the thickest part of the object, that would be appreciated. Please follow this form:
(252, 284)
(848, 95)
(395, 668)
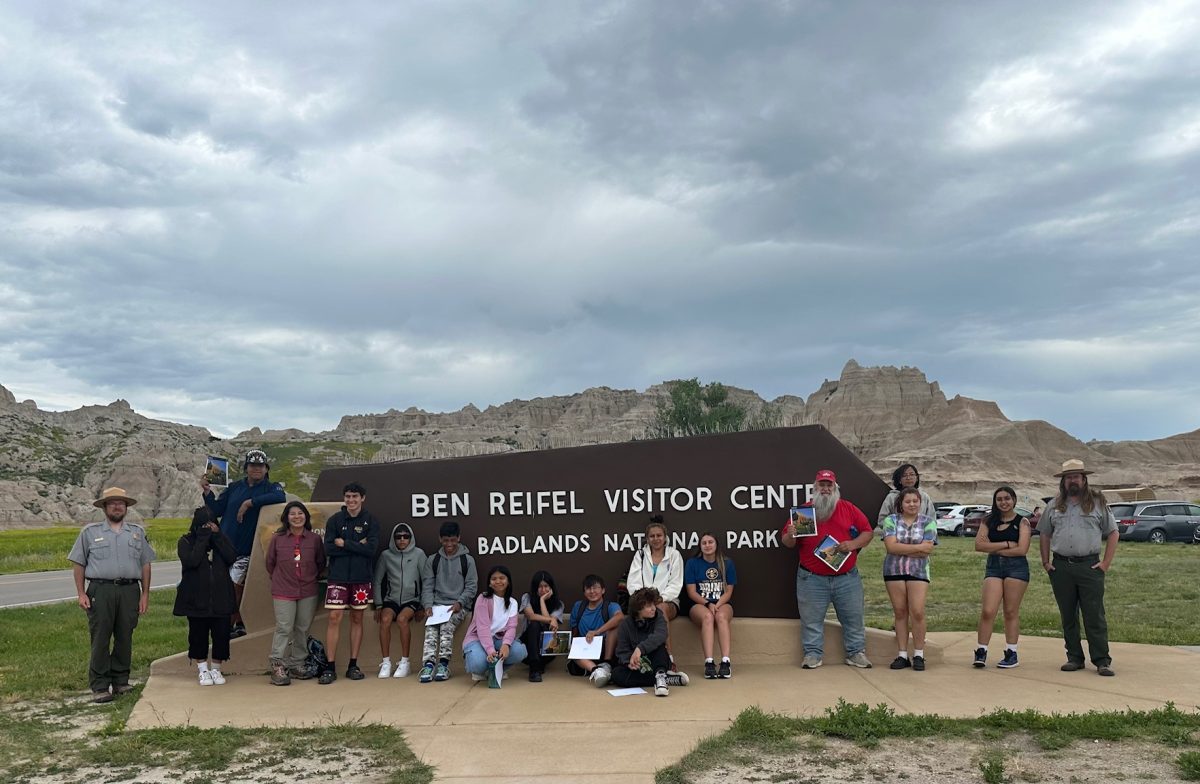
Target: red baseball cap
(825, 475)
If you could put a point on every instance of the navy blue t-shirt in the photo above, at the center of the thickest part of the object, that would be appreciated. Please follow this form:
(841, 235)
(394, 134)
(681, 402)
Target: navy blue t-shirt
(584, 620)
(707, 577)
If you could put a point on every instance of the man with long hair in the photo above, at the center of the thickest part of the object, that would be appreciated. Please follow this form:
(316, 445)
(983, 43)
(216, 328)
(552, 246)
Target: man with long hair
(819, 581)
(1073, 528)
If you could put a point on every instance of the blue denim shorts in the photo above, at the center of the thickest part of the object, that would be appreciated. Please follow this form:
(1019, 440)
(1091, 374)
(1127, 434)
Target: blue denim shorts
(1002, 567)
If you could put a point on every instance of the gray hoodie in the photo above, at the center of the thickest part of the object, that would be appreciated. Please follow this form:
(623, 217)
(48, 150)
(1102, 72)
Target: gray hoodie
(401, 569)
(450, 586)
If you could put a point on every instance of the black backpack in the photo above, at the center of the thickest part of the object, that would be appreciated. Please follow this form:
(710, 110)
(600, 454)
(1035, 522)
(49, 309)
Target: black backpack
(577, 610)
(437, 560)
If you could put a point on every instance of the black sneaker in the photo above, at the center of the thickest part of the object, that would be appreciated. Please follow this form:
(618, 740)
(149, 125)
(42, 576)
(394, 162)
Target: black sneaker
(327, 677)
(238, 630)
(710, 670)
(1010, 660)
(980, 658)
(535, 676)
(354, 673)
(725, 670)
(919, 663)
(900, 663)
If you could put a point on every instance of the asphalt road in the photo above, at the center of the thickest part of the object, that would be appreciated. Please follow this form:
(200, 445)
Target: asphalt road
(30, 588)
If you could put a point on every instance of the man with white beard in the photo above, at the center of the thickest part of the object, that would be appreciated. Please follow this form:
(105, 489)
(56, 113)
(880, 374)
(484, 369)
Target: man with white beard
(818, 583)
(1074, 526)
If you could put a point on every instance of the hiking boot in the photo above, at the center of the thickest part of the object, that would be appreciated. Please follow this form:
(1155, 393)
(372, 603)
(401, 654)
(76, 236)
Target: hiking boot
(981, 658)
(710, 670)
(102, 696)
(900, 663)
(401, 669)
(859, 660)
(919, 663)
(1071, 666)
(725, 670)
(206, 678)
(443, 672)
(279, 676)
(237, 630)
(535, 676)
(426, 674)
(811, 661)
(1009, 661)
(327, 677)
(677, 679)
(217, 678)
(660, 684)
(601, 675)
(354, 673)
(301, 673)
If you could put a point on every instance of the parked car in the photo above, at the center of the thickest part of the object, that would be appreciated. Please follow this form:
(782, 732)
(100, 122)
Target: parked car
(973, 520)
(951, 521)
(1157, 521)
(942, 506)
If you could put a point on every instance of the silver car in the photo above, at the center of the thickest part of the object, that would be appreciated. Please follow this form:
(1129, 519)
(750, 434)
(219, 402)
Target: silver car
(1157, 521)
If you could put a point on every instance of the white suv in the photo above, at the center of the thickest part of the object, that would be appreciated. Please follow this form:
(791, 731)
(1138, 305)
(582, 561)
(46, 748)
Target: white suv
(951, 520)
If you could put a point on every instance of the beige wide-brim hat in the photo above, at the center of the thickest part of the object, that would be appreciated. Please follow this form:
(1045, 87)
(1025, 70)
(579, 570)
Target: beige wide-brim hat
(113, 494)
(1073, 467)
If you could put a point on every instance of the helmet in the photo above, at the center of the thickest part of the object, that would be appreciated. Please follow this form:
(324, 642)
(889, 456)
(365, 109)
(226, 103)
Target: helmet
(256, 457)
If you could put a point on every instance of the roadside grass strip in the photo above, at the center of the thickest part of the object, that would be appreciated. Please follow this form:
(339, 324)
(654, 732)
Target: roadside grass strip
(46, 549)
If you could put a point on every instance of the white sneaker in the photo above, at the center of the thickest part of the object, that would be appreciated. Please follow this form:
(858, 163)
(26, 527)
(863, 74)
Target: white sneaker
(217, 678)
(401, 669)
(206, 678)
(660, 684)
(385, 668)
(601, 675)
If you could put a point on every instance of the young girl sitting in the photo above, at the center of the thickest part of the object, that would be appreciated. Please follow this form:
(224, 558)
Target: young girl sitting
(542, 611)
(492, 632)
(642, 658)
(710, 578)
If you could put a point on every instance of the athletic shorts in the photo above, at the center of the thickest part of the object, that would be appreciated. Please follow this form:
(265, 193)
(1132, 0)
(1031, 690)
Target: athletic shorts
(237, 572)
(1016, 568)
(396, 608)
(353, 596)
(904, 578)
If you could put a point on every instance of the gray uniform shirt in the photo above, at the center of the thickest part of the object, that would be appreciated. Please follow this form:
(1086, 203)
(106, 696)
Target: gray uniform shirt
(1075, 534)
(108, 555)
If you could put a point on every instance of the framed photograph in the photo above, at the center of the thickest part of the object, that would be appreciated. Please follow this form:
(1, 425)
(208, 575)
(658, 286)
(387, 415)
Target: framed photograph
(805, 520)
(556, 643)
(216, 471)
(827, 551)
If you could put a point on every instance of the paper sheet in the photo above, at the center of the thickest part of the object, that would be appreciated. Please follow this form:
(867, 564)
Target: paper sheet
(627, 692)
(582, 649)
(441, 614)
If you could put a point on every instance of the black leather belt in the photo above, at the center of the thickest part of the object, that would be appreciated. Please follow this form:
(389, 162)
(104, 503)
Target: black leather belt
(1077, 558)
(118, 581)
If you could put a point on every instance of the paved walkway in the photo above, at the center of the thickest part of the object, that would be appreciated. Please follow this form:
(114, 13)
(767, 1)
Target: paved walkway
(470, 733)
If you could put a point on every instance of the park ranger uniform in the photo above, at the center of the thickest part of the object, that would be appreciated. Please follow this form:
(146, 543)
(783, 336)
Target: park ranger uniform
(112, 564)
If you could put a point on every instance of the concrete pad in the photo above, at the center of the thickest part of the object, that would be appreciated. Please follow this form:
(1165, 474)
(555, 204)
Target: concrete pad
(625, 739)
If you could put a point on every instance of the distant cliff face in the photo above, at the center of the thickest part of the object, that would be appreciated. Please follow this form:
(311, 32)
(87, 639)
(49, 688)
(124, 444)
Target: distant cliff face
(53, 464)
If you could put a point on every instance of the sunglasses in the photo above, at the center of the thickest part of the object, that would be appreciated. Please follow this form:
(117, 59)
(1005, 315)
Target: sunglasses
(404, 536)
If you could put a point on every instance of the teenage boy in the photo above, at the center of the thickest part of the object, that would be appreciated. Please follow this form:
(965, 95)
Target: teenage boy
(350, 539)
(398, 596)
(449, 578)
(592, 617)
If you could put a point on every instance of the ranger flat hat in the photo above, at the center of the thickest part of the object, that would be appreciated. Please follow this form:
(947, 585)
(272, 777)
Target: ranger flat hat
(113, 494)
(1073, 467)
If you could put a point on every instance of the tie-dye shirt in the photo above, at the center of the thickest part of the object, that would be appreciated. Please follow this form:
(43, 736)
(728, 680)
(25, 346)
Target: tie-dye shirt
(923, 530)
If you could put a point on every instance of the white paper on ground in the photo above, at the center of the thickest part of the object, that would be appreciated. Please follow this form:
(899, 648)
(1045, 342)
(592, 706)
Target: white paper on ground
(627, 692)
(499, 673)
(441, 614)
(582, 649)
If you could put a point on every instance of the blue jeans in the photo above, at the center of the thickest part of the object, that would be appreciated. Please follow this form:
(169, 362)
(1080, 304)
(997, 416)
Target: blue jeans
(475, 657)
(814, 592)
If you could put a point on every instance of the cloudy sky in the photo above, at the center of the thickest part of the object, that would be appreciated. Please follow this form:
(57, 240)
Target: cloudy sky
(274, 214)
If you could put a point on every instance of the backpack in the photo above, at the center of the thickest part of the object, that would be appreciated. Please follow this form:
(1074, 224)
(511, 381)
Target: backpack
(577, 610)
(437, 559)
(316, 660)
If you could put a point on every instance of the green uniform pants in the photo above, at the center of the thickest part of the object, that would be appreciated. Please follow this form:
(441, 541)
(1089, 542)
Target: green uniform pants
(1079, 588)
(111, 621)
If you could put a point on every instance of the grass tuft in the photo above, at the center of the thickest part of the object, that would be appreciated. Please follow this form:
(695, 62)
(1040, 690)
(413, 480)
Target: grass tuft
(1189, 765)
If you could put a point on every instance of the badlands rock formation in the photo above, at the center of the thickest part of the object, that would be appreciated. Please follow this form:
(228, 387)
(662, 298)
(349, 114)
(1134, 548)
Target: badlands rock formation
(52, 464)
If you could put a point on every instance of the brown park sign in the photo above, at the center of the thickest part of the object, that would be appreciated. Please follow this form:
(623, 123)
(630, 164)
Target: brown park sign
(584, 510)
